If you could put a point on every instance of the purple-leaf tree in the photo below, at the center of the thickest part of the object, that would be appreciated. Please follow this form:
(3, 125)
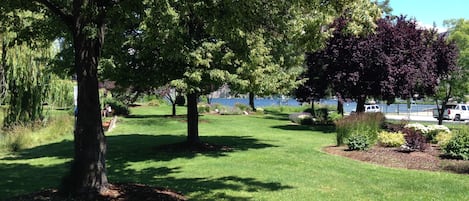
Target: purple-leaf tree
(398, 60)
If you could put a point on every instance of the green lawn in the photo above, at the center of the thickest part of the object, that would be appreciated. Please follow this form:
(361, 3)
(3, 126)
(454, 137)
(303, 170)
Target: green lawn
(270, 160)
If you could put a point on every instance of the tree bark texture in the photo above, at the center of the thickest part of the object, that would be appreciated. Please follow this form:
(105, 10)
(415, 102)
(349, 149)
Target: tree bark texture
(340, 107)
(88, 171)
(192, 119)
(313, 112)
(361, 104)
(251, 101)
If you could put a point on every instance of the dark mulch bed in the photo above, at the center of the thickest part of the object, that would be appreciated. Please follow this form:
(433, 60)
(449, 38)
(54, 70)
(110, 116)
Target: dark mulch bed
(116, 192)
(431, 159)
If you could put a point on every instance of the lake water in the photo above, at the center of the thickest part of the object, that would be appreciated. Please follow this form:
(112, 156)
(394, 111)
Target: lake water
(348, 106)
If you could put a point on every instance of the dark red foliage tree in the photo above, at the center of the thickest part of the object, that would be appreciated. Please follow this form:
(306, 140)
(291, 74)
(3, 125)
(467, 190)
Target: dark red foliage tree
(398, 60)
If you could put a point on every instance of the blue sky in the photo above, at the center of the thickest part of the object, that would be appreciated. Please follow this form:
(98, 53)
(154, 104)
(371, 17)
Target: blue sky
(429, 11)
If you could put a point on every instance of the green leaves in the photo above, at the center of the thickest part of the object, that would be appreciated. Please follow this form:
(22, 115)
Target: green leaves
(27, 85)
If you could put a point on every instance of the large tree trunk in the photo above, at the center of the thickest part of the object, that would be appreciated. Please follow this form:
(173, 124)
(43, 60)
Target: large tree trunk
(173, 104)
(251, 101)
(340, 107)
(313, 113)
(88, 171)
(174, 109)
(361, 104)
(192, 119)
(441, 112)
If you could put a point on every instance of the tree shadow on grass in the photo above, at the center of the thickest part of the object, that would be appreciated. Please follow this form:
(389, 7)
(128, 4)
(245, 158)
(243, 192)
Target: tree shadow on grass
(295, 127)
(275, 115)
(138, 147)
(18, 179)
(200, 188)
(146, 116)
(22, 178)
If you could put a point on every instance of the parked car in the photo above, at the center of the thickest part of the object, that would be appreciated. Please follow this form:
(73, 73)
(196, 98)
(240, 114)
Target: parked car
(370, 108)
(456, 112)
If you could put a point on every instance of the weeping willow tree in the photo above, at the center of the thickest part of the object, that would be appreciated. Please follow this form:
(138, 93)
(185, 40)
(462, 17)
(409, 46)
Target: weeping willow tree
(60, 92)
(27, 85)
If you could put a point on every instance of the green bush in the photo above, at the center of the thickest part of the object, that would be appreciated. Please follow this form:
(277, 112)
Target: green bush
(334, 116)
(322, 115)
(118, 107)
(231, 111)
(442, 138)
(14, 141)
(458, 146)
(259, 111)
(203, 108)
(391, 139)
(434, 130)
(302, 118)
(180, 100)
(366, 124)
(217, 107)
(243, 107)
(358, 142)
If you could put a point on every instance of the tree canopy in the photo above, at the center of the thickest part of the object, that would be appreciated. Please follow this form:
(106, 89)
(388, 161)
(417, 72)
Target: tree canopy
(398, 60)
(195, 45)
(455, 85)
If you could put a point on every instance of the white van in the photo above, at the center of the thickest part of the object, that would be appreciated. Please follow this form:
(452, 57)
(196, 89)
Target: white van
(372, 108)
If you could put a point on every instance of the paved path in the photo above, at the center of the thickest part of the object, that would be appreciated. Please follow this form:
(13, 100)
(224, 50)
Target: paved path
(410, 117)
(414, 117)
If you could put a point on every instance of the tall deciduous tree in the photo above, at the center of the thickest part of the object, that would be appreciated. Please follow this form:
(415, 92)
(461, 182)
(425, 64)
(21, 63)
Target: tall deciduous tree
(398, 60)
(84, 21)
(202, 43)
(456, 84)
(27, 85)
(266, 71)
(315, 86)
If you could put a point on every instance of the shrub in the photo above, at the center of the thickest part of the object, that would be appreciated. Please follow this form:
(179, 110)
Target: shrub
(14, 141)
(302, 118)
(391, 139)
(367, 124)
(417, 127)
(232, 111)
(322, 115)
(396, 127)
(243, 107)
(358, 142)
(458, 146)
(442, 138)
(118, 107)
(434, 130)
(259, 111)
(414, 140)
(334, 116)
(180, 100)
(217, 107)
(203, 108)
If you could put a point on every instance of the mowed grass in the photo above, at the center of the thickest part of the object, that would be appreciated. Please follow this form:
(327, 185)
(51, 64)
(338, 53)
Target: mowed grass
(270, 160)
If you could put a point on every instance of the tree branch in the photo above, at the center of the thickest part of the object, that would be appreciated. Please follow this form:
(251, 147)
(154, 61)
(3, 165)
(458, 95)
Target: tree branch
(61, 12)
